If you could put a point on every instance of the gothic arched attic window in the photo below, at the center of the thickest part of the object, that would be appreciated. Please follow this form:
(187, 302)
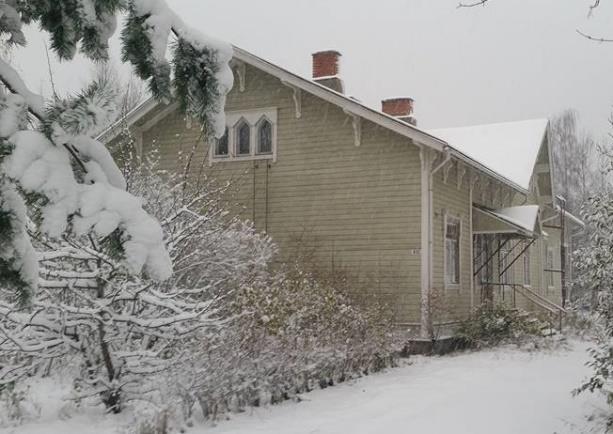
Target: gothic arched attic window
(264, 136)
(243, 138)
(221, 145)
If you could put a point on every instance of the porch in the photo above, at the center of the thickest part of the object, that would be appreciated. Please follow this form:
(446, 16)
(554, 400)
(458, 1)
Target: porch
(514, 262)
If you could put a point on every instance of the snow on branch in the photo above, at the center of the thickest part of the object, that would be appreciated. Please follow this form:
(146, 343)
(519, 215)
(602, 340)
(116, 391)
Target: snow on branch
(11, 79)
(203, 76)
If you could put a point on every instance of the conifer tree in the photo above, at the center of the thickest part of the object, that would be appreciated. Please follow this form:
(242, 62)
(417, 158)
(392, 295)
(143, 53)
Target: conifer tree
(50, 163)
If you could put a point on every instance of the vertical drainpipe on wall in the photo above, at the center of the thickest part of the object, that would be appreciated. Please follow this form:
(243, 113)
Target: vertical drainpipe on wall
(425, 157)
(471, 241)
(427, 237)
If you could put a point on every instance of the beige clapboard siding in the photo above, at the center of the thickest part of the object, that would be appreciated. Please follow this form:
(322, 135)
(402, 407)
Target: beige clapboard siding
(358, 207)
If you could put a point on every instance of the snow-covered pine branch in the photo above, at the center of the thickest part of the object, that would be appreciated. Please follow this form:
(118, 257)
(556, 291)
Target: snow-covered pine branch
(61, 168)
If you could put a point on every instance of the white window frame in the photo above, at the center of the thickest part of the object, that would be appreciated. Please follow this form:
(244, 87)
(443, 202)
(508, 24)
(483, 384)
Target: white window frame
(551, 283)
(235, 145)
(253, 118)
(452, 219)
(504, 263)
(257, 143)
(527, 269)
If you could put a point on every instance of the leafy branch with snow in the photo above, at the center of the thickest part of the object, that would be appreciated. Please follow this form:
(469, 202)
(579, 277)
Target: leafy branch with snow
(59, 166)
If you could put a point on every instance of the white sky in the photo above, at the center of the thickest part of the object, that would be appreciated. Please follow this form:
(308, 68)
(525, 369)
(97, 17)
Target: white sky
(506, 61)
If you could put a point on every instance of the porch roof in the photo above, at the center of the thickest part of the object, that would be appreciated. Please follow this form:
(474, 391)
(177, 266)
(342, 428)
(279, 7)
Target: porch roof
(517, 220)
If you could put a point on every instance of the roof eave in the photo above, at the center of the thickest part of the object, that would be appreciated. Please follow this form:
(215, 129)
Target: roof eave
(418, 136)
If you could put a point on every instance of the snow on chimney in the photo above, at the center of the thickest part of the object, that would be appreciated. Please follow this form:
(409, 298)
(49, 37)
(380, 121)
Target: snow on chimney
(400, 108)
(326, 69)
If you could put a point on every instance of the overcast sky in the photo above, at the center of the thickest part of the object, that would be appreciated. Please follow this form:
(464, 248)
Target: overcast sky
(511, 60)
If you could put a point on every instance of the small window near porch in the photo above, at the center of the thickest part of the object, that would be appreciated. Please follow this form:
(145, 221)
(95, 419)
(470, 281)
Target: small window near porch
(550, 281)
(504, 266)
(452, 251)
(527, 266)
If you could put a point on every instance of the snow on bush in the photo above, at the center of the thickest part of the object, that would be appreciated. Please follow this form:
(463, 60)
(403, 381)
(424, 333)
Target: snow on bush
(291, 333)
(492, 325)
(595, 266)
(227, 330)
(127, 331)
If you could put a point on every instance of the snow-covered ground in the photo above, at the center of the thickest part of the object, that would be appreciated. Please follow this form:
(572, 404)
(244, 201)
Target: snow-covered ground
(499, 391)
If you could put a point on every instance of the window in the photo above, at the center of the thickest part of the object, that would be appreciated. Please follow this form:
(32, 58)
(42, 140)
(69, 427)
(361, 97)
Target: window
(221, 145)
(527, 265)
(250, 135)
(264, 136)
(504, 266)
(243, 138)
(452, 251)
(482, 256)
(550, 281)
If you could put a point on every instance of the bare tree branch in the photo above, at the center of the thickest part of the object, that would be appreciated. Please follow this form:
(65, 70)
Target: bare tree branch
(472, 5)
(593, 6)
(592, 38)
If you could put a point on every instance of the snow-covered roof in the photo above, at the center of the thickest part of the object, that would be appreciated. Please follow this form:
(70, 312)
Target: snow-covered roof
(523, 216)
(571, 218)
(509, 148)
(435, 139)
(517, 219)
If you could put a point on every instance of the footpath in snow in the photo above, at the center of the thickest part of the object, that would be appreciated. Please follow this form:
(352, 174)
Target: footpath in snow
(496, 391)
(502, 391)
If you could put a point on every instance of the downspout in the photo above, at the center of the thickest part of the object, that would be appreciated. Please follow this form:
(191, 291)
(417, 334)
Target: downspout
(471, 241)
(427, 236)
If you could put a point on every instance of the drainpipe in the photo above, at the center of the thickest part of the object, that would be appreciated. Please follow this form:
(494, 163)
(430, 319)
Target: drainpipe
(427, 236)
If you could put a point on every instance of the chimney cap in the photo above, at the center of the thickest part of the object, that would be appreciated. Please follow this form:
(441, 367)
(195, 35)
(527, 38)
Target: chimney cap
(398, 99)
(400, 107)
(322, 52)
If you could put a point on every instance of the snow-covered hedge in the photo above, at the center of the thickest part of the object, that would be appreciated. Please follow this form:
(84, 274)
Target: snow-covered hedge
(492, 325)
(291, 334)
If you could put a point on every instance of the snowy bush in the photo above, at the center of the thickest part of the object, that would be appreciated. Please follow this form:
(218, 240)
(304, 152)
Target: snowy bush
(16, 405)
(492, 325)
(595, 265)
(291, 334)
(126, 331)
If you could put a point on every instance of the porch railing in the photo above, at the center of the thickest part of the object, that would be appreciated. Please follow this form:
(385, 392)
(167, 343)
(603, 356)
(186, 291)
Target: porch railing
(554, 311)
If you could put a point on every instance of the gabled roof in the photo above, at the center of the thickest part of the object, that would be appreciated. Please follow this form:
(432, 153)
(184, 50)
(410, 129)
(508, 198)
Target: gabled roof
(510, 149)
(349, 105)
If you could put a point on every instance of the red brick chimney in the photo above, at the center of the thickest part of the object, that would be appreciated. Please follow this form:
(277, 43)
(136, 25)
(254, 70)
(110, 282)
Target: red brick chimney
(326, 69)
(400, 108)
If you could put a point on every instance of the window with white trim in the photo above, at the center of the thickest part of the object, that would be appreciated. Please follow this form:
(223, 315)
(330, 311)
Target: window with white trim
(250, 135)
(527, 264)
(264, 136)
(452, 250)
(504, 266)
(550, 280)
(242, 138)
